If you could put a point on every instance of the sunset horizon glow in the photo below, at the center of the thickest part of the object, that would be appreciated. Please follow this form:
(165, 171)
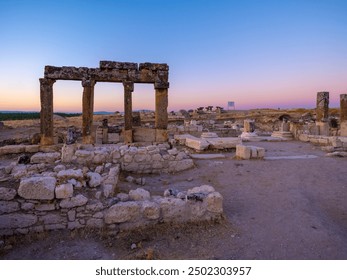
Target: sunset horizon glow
(259, 54)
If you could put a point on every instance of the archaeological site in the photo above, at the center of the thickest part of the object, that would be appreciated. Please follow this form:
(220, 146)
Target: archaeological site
(207, 183)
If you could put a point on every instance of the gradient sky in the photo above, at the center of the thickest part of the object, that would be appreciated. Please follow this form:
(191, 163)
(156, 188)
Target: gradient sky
(260, 54)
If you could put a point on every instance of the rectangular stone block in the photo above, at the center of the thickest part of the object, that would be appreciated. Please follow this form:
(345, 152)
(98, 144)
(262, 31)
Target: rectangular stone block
(243, 152)
(221, 143)
(197, 143)
(37, 188)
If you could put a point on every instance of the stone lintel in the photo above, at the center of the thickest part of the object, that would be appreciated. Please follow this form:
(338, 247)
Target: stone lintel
(161, 85)
(154, 66)
(118, 65)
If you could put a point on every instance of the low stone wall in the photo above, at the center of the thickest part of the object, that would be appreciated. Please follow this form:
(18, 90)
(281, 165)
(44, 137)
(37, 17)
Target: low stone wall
(149, 159)
(52, 203)
(335, 142)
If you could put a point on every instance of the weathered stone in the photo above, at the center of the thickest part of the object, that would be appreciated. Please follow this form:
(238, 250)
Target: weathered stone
(95, 179)
(26, 206)
(68, 153)
(177, 166)
(94, 223)
(214, 202)
(123, 197)
(174, 209)
(52, 219)
(8, 206)
(59, 168)
(70, 174)
(12, 149)
(202, 189)
(19, 171)
(15, 220)
(45, 157)
(139, 194)
(100, 156)
(99, 169)
(37, 188)
(71, 215)
(55, 226)
(64, 190)
(196, 143)
(94, 206)
(122, 212)
(108, 190)
(150, 210)
(75, 201)
(45, 207)
(140, 181)
(223, 142)
(84, 156)
(7, 193)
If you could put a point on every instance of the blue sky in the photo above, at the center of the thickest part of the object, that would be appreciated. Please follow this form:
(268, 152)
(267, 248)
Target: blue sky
(259, 54)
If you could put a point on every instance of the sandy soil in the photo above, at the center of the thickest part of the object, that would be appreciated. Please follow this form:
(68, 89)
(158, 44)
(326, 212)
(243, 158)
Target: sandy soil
(274, 209)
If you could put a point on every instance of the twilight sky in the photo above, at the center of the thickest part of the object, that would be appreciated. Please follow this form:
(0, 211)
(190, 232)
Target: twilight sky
(260, 54)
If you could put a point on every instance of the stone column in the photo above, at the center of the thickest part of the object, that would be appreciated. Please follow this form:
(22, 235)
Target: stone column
(161, 116)
(128, 111)
(322, 113)
(343, 114)
(248, 126)
(87, 111)
(46, 114)
(322, 110)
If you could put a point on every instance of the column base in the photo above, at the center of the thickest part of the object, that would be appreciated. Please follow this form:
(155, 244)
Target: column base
(323, 128)
(88, 139)
(161, 135)
(128, 136)
(343, 128)
(46, 141)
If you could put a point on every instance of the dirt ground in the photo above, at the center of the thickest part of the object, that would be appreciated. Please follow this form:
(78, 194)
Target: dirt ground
(274, 209)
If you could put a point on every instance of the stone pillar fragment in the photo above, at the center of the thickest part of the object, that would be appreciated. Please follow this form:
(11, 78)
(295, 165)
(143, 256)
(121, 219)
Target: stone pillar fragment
(343, 114)
(161, 104)
(248, 125)
(87, 111)
(128, 117)
(46, 114)
(322, 109)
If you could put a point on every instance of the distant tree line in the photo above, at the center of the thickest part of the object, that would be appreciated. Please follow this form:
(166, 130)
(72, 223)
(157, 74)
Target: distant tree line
(13, 116)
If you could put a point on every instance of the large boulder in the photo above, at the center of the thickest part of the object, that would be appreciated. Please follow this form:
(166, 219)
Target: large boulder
(37, 188)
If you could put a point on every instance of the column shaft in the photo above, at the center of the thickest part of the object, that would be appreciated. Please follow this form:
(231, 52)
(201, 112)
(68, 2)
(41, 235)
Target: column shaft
(161, 104)
(87, 111)
(343, 114)
(128, 111)
(46, 114)
(322, 109)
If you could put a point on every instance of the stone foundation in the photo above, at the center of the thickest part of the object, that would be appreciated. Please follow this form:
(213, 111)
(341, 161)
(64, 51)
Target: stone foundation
(249, 152)
(45, 204)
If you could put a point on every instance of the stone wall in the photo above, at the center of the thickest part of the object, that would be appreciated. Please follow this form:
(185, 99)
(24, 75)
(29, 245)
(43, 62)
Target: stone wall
(45, 203)
(149, 159)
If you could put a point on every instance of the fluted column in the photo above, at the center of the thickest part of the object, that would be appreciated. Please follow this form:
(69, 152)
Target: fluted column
(128, 109)
(46, 114)
(87, 111)
(343, 114)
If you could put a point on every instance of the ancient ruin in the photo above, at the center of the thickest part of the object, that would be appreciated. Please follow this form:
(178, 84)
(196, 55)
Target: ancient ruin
(109, 71)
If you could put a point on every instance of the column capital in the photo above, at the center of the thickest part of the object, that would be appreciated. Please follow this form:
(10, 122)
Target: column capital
(161, 85)
(128, 86)
(47, 82)
(88, 83)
